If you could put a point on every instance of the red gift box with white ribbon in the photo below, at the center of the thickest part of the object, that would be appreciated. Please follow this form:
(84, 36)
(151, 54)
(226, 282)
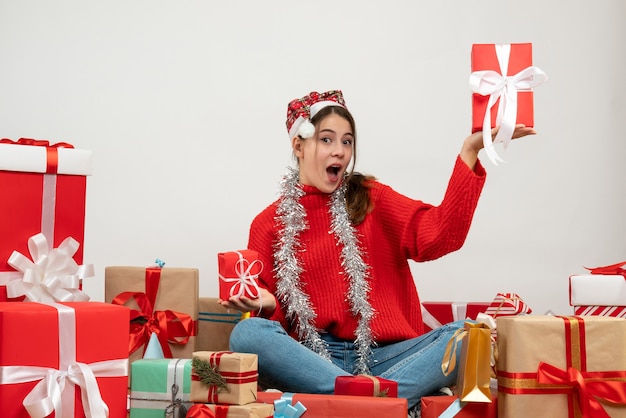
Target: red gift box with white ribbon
(502, 81)
(238, 273)
(43, 187)
(63, 359)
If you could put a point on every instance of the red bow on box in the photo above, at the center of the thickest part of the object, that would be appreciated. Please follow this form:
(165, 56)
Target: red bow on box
(170, 326)
(612, 269)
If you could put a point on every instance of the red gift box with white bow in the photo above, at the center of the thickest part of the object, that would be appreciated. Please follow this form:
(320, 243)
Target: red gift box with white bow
(43, 187)
(64, 359)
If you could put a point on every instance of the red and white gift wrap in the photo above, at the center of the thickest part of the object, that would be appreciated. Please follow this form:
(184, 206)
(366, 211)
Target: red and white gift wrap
(63, 360)
(507, 304)
(435, 314)
(43, 187)
(238, 273)
(239, 371)
(614, 311)
(365, 385)
(502, 81)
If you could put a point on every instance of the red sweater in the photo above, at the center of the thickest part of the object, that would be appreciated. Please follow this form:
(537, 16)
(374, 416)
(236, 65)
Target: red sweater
(397, 229)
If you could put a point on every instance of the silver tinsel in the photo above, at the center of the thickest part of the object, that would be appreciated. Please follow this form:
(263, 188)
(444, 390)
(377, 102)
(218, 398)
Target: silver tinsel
(291, 218)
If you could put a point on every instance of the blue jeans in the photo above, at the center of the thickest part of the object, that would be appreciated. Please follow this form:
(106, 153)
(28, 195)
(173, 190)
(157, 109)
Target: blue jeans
(287, 365)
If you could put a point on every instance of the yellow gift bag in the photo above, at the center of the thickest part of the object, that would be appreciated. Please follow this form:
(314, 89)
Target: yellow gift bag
(473, 376)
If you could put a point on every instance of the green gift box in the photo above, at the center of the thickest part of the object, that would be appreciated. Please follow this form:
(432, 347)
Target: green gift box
(159, 387)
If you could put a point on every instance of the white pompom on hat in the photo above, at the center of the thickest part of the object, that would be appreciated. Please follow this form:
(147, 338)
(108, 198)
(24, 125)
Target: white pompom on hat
(300, 111)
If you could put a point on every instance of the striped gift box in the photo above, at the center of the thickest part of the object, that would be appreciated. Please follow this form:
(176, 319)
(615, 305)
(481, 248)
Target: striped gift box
(507, 304)
(614, 311)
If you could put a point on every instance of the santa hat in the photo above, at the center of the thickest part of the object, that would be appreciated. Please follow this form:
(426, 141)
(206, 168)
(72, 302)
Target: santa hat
(300, 111)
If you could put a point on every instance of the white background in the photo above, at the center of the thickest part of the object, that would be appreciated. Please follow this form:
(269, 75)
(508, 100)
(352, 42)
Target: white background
(183, 105)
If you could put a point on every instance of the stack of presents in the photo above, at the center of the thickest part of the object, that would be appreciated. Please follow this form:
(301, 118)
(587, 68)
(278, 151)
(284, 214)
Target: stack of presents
(155, 348)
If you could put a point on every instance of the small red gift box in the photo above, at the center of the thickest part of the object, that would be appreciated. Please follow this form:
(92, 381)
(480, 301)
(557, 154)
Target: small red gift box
(435, 314)
(484, 57)
(502, 80)
(364, 385)
(238, 273)
(434, 406)
(341, 406)
(44, 187)
(66, 347)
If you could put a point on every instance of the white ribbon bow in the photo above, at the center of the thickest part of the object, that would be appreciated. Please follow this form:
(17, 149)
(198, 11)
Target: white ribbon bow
(52, 275)
(45, 397)
(500, 86)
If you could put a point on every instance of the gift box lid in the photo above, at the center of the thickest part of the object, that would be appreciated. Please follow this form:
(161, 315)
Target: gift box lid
(35, 159)
(597, 289)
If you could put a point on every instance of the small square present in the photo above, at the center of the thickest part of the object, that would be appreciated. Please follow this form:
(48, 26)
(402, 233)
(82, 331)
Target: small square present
(435, 314)
(251, 410)
(215, 324)
(44, 186)
(561, 366)
(166, 296)
(339, 406)
(160, 387)
(224, 377)
(50, 353)
(365, 385)
(451, 406)
(238, 273)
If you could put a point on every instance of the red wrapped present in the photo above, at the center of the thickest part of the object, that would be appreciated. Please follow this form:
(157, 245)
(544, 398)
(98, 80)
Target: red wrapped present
(561, 366)
(44, 189)
(451, 406)
(507, 304)
(435, 314)
(224, 377)
(63, 359)
(341, 406)
(502, 80)
(238, 273)
(365, 385)
(251, 410)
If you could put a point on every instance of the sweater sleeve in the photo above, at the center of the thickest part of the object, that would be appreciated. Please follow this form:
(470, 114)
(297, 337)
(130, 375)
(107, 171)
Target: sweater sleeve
(443, 229)
(262, 239)
(428, 232)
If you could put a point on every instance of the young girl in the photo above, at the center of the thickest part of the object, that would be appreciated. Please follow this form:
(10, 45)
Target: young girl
(337, 294)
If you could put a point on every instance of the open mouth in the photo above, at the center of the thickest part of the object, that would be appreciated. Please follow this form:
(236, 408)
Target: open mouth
(333, 172)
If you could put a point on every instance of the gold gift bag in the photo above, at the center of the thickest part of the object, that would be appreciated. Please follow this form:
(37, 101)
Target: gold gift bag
(474, 374)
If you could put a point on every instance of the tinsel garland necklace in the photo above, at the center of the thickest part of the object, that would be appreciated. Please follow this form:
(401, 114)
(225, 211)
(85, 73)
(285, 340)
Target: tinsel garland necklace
(291, 217)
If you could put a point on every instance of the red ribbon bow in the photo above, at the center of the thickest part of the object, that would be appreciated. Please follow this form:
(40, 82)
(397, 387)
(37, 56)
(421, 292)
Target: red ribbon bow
(52, 156)
(588, 386)
(203, 411)
(612, 269)
(170, 326)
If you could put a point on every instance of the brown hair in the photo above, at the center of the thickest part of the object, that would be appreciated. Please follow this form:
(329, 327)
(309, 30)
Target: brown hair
(358, 200)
